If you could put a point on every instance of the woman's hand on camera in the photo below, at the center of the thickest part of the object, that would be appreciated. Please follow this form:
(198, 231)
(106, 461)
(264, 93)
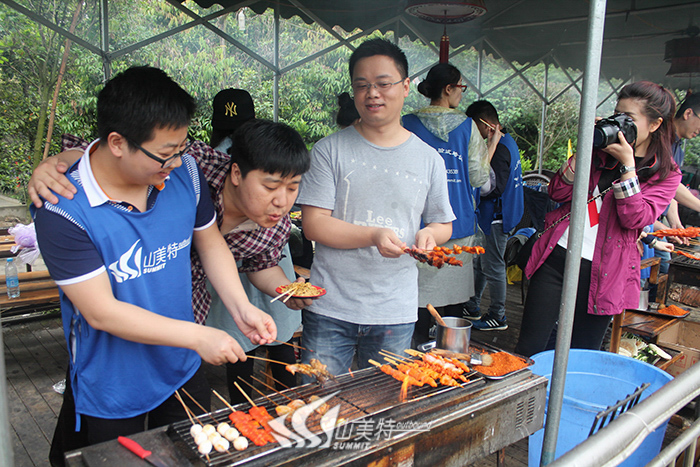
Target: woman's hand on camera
(621, 150)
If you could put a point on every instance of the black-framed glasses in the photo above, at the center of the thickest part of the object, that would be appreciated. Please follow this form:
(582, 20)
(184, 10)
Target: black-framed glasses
(383, 86)
(164, 163)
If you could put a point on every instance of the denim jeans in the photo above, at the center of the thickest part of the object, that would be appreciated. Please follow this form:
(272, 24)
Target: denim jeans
(334, 342)
(491, 268)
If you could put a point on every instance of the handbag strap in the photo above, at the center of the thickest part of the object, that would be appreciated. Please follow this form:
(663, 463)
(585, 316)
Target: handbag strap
(565, 216)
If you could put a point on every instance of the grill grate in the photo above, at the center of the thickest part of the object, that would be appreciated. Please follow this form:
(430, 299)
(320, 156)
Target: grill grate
(361, 394)
(680, 260)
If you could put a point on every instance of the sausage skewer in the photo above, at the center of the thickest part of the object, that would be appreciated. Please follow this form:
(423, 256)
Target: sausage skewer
(250, 427)
(396, 374)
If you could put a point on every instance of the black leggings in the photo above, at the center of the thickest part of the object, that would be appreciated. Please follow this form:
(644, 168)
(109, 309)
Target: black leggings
(541, 310)
(281, 353)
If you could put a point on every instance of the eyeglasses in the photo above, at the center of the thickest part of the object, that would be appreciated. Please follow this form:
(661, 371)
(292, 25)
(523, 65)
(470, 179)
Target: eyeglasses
(463, 86)
(381, 87)
(164, 163)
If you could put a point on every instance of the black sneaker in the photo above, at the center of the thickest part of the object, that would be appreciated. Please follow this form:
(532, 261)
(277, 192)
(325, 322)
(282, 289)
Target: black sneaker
(489, 323)
(471, 315)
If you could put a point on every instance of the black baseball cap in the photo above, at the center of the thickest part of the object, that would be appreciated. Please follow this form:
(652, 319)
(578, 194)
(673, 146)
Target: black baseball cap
(232, 108)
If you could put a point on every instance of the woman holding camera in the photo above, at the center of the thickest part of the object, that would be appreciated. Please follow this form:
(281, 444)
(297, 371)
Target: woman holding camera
(632, 181)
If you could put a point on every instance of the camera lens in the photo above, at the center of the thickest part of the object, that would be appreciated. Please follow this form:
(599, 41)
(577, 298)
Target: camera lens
(604, 134)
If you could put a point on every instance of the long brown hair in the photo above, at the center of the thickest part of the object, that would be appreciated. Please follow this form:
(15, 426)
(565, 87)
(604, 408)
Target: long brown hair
(658, 102)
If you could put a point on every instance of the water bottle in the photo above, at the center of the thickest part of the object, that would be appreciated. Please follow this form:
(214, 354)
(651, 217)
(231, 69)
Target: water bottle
(11, 279)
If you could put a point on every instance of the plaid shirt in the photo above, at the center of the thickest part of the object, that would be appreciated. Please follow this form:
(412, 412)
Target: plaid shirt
(257, 249)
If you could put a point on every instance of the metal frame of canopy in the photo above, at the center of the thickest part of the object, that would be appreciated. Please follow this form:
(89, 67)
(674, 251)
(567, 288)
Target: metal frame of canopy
(595, 18)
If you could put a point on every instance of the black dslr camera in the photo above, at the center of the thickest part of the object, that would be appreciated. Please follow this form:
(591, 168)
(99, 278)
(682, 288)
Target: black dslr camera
(605, 131)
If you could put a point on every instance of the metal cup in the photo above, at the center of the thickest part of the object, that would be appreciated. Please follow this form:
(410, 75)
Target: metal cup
(455, 336)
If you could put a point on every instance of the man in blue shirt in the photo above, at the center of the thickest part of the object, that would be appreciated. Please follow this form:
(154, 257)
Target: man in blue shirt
(120, 253)
(500, 210)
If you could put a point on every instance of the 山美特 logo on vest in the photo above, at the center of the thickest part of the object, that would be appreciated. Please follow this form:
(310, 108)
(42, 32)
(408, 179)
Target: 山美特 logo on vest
(130, 264)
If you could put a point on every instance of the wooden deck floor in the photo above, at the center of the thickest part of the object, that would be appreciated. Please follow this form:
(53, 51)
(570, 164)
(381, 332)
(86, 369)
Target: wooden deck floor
(36, 359)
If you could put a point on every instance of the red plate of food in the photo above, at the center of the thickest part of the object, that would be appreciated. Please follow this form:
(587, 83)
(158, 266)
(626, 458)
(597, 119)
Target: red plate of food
(300, 290)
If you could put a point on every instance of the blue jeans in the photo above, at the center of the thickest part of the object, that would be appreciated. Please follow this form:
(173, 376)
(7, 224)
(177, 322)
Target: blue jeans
(491, 268)
(334, 342)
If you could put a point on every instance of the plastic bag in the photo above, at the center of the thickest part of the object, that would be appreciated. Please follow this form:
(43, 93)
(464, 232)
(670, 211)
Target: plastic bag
(514, 274)
(25, 240)
(60, 387)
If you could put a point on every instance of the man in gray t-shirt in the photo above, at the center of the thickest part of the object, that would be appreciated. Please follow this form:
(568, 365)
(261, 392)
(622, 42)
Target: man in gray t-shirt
(363, 200)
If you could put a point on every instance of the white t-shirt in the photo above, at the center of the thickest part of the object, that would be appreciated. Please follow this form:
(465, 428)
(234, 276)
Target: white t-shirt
(369, 185)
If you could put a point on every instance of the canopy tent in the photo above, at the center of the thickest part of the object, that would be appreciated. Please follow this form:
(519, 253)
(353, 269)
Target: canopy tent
(522, 31)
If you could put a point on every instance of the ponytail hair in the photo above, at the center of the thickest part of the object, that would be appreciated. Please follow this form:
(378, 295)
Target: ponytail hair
(658, 103)
(347, 112)
(438, 78)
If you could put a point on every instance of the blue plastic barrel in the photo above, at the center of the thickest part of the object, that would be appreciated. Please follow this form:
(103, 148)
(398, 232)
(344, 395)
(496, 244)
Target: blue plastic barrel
(594, 381)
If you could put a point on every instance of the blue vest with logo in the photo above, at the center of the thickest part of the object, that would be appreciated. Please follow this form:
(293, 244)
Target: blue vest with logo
(512, 203)
(455, 154)
(147, 256)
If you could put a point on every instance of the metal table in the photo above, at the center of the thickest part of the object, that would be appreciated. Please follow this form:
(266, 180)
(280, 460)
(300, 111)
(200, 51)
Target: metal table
(464, 425)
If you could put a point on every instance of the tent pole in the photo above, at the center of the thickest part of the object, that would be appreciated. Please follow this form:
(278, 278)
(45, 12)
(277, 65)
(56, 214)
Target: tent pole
(276, 63)
(584, 156)
(479, 67)
(104, 32)
(6, 453)
(543, 119)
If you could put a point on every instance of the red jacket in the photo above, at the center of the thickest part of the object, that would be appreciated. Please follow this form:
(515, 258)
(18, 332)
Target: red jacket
(615, 266)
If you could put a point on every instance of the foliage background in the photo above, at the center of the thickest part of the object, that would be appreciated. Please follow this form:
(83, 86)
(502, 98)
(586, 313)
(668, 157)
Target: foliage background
(203, 63)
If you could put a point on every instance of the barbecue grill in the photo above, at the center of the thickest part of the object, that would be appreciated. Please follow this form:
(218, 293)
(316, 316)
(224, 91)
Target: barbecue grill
(433, 426)
(684, 271)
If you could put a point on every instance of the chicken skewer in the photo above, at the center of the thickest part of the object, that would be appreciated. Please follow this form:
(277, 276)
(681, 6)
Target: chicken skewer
(315, 368)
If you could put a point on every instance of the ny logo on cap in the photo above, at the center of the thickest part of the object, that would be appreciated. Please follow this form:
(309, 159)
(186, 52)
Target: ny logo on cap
(230, 109)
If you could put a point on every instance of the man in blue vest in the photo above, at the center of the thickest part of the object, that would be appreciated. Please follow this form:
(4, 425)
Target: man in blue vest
(120, 252)
(500, 210)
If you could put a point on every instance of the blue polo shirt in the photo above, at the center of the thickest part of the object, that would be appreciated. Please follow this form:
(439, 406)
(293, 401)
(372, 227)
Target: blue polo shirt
(147, 258)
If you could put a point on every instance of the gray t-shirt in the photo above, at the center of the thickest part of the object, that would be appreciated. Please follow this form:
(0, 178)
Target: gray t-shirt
(370, 185)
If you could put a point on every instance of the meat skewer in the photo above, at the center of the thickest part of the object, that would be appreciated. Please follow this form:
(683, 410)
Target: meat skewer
(250, 424)
(439, 365)
(200, 434)
(397, 375)
(688, 232)
(413, 371)
(686, 254)
(315, 368)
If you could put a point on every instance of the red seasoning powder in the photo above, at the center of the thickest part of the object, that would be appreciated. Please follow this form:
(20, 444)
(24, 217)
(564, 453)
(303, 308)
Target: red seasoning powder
(503, 363)
(672, 310)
